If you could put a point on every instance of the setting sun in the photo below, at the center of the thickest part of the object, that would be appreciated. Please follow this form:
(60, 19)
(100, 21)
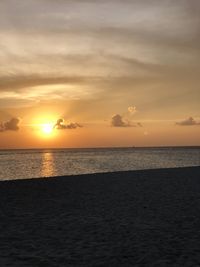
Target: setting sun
(47, 128)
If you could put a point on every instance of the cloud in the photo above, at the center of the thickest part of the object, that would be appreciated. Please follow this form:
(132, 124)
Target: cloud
(165, 55)
(132, 110)
(11, 125)
(61, 126)
(117, 121)
(125, 120)
(188, 122)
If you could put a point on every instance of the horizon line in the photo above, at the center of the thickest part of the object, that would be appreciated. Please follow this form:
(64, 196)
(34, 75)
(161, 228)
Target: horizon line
(103, 147)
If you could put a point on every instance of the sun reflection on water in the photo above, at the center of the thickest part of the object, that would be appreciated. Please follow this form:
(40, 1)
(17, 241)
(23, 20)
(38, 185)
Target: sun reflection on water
(48, 168)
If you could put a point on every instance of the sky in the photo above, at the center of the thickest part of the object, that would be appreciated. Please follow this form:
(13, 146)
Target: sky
(88, 73)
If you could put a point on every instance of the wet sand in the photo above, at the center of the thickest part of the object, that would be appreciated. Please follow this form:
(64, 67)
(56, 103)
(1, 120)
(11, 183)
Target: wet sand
(136, 218)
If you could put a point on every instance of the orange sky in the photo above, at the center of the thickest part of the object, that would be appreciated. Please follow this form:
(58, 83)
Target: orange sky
(114, 73)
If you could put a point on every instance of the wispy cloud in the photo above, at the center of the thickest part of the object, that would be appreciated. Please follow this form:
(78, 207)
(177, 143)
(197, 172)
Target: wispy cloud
(143, 51)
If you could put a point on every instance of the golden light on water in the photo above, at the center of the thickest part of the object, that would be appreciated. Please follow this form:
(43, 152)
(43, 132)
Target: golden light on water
(47, 165)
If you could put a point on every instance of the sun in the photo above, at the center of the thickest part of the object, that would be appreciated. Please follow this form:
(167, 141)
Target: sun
(47, 128)
(44, 126)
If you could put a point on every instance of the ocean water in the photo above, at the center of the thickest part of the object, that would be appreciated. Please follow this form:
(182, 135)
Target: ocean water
(21, 164)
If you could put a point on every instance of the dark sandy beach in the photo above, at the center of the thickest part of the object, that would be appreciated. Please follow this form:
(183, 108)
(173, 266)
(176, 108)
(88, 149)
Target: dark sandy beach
(136, 218)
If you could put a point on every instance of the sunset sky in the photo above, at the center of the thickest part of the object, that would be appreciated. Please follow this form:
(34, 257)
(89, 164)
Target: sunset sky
(88, 73)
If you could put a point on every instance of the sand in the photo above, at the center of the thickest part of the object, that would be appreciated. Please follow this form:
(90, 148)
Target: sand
(136, 218)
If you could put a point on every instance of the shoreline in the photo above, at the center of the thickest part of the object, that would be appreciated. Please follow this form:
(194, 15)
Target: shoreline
(132, 218)
(97, 174)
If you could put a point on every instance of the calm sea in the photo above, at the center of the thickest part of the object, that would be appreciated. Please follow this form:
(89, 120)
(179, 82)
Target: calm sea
(20, 164)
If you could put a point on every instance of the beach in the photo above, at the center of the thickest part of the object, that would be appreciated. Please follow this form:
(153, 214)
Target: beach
(130, 218)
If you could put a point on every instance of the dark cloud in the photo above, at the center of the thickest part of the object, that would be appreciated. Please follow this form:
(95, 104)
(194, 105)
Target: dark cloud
(125, 120)
(117, 121)
(11, 125)
(188, 122)
(61, 126)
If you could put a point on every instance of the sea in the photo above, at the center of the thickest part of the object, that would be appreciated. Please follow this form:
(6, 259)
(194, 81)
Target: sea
(36, 163)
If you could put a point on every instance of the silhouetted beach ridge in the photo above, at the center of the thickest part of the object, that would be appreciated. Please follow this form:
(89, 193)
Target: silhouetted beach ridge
(131, 218)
